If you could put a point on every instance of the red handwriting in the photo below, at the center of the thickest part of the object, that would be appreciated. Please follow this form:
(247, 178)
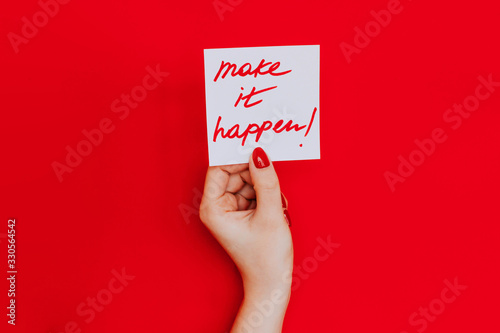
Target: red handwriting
(258, 130)
(311, 122)
(246, 69)
(252, 93)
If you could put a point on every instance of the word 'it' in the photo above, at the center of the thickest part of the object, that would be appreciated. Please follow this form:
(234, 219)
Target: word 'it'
(250, 95)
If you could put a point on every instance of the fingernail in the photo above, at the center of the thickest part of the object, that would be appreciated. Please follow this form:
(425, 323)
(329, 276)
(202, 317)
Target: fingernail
(287, 217)
(260, 158)
(283, 201)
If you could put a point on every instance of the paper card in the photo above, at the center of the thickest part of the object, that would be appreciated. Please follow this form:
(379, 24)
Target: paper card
(262, 97)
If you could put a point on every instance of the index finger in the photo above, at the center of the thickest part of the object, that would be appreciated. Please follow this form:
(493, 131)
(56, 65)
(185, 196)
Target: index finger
(217, 179)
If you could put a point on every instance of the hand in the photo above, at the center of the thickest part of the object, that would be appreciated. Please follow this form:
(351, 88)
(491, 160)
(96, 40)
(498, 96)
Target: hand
(243, 208)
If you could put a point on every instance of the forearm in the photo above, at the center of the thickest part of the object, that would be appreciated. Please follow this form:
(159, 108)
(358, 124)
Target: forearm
(262, 311)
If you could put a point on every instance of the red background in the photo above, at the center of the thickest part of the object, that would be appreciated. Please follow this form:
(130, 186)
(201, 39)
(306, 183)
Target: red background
(122, 206)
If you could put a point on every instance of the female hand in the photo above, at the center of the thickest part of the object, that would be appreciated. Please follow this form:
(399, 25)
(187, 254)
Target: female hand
(243, 208)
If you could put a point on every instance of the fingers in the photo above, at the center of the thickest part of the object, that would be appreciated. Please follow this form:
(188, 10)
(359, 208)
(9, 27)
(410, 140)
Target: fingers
(247, 192)
(284, 204)
(238, 181)
(215, 200)
(245, 176)
(284, 201)
(235, 183)
(217, 180)
(243, 203)
(245, 196)
(266, 185)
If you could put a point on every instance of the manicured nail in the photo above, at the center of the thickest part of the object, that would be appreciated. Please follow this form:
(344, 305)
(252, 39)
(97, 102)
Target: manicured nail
(283, 201)
(260, 158)
(287, 217)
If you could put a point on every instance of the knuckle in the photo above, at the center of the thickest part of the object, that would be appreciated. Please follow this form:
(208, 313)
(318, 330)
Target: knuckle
(204, 212)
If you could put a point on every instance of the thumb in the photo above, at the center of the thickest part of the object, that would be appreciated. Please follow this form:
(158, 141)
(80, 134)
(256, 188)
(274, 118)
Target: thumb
(266, 185)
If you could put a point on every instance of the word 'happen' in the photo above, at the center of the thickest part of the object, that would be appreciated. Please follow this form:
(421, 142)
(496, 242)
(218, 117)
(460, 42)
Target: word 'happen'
(234, 132)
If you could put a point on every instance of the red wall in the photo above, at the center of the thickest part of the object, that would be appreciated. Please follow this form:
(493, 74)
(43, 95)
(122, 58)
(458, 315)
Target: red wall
(132, 202)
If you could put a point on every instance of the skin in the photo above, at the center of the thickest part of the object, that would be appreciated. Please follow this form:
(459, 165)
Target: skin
(242, 208)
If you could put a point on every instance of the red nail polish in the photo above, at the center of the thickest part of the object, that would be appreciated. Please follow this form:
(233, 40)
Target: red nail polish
(283, 201)
(287, 217)
(260, 158)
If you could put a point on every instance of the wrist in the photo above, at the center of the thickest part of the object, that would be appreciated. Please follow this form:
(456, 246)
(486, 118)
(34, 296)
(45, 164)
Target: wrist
(262, 286)
(273, 294)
